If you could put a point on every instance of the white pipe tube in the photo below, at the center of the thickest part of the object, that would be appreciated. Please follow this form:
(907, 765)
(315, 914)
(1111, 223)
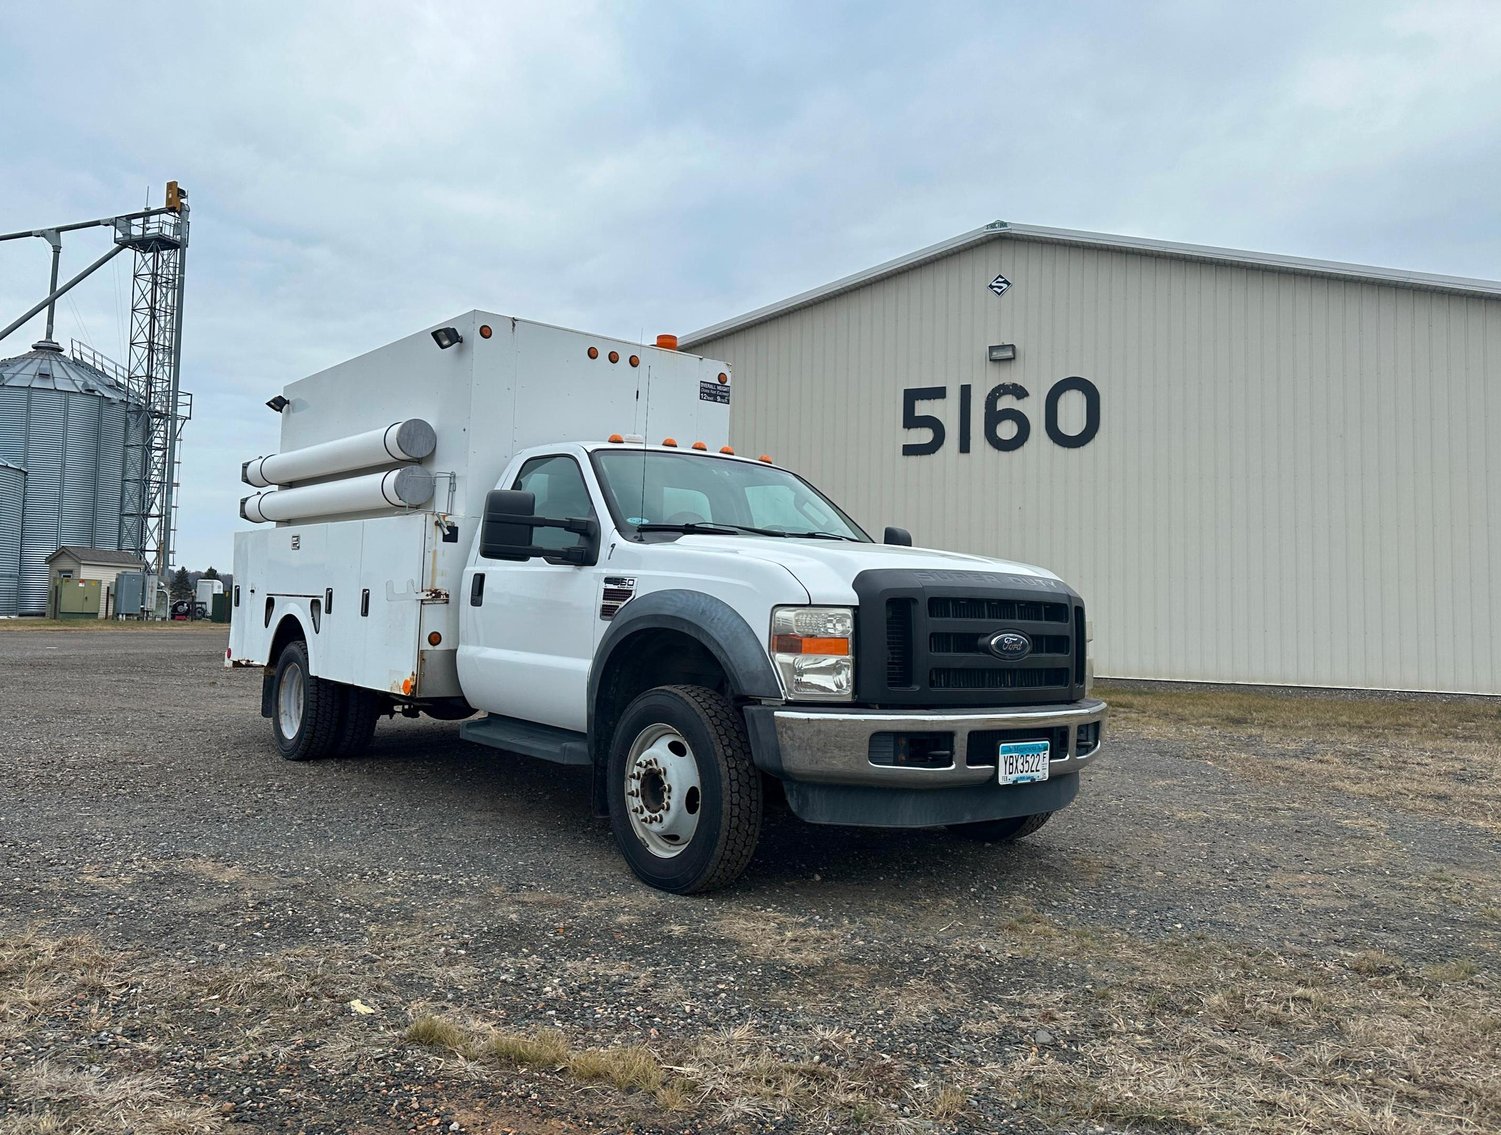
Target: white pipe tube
(411, 440)
(398, 488)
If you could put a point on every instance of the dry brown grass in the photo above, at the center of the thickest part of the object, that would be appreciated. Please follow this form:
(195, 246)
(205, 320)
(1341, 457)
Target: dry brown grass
(738, 1074)
(1202, 1034)
(41, 976)
(772, 936)
(1435, 755)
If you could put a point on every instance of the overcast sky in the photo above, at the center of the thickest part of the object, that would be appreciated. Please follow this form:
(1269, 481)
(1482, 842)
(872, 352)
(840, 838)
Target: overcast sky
(358, 171)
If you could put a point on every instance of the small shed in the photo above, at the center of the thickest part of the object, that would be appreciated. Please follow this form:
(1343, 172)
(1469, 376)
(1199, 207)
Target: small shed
(82, 564)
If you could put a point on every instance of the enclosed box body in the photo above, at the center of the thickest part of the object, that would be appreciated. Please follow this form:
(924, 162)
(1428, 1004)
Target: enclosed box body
(376, 585)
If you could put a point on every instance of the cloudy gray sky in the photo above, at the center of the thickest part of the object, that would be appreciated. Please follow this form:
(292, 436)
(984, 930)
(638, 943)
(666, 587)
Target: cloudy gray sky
(360, 170)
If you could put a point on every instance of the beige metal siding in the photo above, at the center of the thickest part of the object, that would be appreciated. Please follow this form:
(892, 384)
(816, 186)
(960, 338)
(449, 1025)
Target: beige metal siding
(1294, 479)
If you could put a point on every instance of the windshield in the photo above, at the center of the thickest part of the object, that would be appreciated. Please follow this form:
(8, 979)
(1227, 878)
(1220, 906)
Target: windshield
(654, 491)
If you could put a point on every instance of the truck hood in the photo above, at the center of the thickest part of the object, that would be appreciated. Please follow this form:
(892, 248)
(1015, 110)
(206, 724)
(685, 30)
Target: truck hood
(827, 568)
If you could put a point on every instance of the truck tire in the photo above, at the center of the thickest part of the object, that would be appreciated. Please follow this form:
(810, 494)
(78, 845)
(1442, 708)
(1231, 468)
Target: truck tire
(1001, 831)
(357, 722)
(685, 799)
(305, 711)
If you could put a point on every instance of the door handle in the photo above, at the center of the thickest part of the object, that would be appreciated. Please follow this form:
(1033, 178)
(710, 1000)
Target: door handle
(477, 590)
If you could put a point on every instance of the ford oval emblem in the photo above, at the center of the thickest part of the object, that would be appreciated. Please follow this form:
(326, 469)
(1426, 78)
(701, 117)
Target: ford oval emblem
(1009, 646)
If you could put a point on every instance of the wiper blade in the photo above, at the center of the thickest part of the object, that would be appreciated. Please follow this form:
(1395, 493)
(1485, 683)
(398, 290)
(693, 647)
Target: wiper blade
(705, 528)
(820, 536)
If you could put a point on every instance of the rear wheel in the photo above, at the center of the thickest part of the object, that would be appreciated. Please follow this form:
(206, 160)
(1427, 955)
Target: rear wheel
(1001, 831)
(305, 711)
(685, 799)
(357, 723)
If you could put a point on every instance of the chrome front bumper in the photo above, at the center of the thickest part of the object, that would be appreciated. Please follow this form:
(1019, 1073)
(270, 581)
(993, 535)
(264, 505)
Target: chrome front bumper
(834, 746)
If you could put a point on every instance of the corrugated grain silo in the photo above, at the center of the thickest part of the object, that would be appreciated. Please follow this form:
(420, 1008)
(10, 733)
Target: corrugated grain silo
(12, 489)
(77, 433)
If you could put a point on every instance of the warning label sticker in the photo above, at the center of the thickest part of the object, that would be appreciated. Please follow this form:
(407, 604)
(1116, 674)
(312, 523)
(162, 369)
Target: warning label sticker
(713, 392)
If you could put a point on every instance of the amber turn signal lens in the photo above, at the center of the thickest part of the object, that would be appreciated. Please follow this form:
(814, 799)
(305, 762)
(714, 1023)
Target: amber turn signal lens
(594, 352)
(434, 639)
(484, 331)
(798, 644)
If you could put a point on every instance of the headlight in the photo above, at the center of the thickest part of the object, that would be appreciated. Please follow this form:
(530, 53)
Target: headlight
(812, 648)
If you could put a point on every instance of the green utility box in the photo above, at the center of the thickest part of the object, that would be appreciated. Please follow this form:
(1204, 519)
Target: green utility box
(76, 598)
(219, 609)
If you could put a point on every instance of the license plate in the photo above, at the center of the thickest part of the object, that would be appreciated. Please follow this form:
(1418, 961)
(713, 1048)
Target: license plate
(1023, 762)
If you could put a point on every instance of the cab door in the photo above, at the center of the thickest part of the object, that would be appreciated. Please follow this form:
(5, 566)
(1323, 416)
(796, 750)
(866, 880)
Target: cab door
(528, 627)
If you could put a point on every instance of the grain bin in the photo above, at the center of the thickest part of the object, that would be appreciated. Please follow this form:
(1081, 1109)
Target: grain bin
(12, 490)
(79, 436)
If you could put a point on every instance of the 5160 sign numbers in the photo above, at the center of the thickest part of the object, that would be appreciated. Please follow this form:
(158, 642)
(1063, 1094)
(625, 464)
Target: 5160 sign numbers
(1004, 426)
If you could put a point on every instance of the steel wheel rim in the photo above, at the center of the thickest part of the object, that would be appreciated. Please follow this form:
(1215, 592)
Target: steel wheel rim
(290, 695)
(663, 794)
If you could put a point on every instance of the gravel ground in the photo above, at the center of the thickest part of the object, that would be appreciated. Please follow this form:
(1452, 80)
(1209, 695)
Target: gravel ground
(199, 936)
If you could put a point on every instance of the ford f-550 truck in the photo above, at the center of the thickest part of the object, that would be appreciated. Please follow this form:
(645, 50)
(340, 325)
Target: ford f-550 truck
(473, 521)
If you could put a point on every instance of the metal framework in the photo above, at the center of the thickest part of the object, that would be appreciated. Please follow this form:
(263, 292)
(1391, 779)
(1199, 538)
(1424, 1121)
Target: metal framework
(159, 240)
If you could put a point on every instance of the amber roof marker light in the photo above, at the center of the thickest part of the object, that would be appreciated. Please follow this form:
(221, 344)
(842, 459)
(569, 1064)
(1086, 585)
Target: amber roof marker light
(701, 446)
(667, 342)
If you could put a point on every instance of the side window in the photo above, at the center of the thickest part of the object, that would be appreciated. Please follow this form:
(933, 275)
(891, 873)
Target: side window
(558, 485)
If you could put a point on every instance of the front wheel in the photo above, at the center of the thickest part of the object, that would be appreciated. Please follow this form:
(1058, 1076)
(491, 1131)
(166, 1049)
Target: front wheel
(306, 712)
(685, 799)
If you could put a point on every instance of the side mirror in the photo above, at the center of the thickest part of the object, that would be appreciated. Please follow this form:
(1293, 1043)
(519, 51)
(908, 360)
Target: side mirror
(510, 520)
(898, 536)
(504, 534)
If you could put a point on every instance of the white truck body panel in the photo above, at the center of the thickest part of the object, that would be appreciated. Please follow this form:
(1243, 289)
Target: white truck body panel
(526, 385)
(379, 641)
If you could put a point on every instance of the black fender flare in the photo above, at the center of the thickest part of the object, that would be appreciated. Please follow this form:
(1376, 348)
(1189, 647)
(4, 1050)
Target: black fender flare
(712, 623)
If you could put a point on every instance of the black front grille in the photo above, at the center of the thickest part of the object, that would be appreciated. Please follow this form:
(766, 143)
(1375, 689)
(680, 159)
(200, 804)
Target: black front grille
(996, 678)
(924, 639)
(947, 642)
(899, 643)
(1013, 610)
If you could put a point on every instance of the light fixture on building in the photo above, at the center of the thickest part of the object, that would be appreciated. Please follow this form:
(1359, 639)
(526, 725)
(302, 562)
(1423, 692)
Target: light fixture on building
(1002, 352)
(279, 403)
(447, 337)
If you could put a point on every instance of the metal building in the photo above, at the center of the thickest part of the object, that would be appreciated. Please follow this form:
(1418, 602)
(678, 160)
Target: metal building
(74, 429)
(1255, 468)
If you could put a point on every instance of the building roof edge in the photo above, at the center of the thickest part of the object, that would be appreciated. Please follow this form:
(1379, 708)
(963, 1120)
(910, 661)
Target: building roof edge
(1395, 277)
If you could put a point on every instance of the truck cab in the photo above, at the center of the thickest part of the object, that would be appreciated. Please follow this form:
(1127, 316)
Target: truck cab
(693, 625)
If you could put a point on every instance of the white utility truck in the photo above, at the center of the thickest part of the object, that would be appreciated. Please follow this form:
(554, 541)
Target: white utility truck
(472, 521)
